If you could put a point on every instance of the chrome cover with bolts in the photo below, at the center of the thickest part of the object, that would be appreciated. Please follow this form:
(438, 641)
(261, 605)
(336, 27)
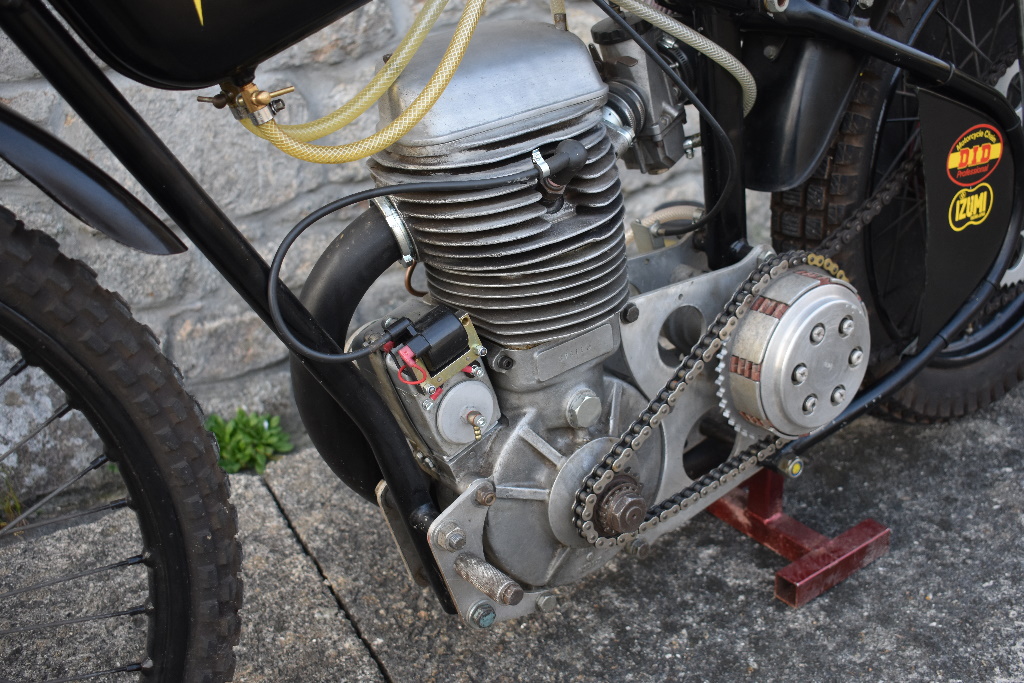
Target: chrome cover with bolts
(795, 357)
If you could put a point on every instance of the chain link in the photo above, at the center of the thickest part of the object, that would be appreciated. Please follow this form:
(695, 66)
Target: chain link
(623, 453)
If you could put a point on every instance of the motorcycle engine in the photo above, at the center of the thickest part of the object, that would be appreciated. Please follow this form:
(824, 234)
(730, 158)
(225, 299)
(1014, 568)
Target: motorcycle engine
(539, 342)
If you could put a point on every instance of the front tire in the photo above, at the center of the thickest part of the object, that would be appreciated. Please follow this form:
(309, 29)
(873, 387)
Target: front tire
(117, 541)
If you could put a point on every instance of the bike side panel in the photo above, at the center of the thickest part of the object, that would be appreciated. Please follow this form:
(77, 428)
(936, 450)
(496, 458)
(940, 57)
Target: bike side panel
(188, 44)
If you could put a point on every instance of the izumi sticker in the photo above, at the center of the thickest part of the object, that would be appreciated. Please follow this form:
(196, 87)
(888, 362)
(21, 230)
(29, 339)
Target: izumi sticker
(970, 206)
(975, 155)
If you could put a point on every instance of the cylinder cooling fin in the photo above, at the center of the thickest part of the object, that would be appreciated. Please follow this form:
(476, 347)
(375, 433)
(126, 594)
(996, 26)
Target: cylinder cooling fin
(525, 271)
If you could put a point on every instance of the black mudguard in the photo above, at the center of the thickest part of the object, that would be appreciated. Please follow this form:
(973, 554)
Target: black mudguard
(79, 186)
(802, 95)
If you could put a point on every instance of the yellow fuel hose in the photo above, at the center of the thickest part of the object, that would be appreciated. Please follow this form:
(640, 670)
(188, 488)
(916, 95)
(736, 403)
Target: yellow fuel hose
(368, 96)
(360, 149)
(715, 52)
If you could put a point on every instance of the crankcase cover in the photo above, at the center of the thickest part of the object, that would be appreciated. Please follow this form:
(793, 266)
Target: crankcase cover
(799, 355)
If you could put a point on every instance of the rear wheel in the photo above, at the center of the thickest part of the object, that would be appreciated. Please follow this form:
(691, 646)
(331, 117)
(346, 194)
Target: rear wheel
(878, 130)
(118, 557)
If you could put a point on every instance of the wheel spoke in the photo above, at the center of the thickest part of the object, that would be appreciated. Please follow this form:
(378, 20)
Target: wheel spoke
(59, 413)
(11, 527)
(131, 612)
(112, 505)
(131, 561)
(15, 370)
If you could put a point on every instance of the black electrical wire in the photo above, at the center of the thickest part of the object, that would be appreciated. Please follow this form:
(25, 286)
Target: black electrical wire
(732, 165)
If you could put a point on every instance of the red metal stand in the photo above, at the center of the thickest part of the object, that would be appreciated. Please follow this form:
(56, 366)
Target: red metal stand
(818, 562)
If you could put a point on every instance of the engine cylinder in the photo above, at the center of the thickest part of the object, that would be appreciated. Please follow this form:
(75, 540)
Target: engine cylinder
(526, 272)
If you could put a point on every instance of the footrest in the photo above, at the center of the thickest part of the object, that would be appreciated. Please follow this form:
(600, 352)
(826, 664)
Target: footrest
(818, 562)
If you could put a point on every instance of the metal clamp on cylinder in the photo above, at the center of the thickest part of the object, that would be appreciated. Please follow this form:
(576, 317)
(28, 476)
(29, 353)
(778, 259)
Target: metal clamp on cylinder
(397, 224)
(540, 164)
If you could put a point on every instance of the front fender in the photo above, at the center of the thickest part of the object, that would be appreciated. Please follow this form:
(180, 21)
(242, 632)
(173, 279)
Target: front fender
(81, 187)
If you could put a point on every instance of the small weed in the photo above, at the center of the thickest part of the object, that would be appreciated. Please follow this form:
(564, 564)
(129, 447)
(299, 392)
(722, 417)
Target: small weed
(10, 504)
(248, 441)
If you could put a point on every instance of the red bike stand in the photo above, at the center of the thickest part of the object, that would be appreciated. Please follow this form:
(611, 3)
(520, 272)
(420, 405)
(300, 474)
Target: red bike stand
(818, 562)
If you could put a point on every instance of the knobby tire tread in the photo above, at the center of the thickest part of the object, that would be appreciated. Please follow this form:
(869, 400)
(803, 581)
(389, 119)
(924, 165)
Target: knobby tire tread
(62, 297)
(803, 216)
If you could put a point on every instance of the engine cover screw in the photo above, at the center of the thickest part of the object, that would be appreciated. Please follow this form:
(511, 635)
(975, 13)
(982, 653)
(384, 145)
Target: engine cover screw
(630, 314)
(856, 356)
(800, 374)
(838, 395)
(547, 603)
(817, 334)
(450, 536)
(810, 403)
(584, 409)
(846, 327)
(482, 614)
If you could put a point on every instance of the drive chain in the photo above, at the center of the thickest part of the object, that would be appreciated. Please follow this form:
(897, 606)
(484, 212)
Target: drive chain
(623, 453)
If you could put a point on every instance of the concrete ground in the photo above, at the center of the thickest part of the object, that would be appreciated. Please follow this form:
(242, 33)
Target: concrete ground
(327, 598)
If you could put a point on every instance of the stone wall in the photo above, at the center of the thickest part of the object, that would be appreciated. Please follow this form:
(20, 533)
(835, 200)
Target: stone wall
(229, 358)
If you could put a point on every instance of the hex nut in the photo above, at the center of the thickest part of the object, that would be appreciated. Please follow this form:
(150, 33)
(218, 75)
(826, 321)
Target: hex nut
(547, 603)
(584, 409)
(485, 495)
(630, 313)
(450, 536)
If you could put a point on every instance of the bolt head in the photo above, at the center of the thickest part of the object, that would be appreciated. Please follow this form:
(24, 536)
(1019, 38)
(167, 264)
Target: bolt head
(817, 334)
(771, 52)
(810, 403)
(838, 395)
(856, 357)
(426, 404)
(486, 496)
(480, 350)
(429, 388)
(630, 314)
(478, 371)
(584, 409)
(482, 615)
(639, 547)
(800, 374)
(479, 421)
(865, 4)
(547, 603)
(846, 327)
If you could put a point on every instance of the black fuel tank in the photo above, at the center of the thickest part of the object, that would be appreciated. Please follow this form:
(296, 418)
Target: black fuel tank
(187, 44)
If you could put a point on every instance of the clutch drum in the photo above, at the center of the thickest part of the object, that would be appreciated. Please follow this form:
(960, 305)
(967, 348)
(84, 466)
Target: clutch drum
(797, 357)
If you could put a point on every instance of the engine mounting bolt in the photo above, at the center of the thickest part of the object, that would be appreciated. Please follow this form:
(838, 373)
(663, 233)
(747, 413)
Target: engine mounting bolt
(838, 395)
(846, 327)
(800, 374)
(476, 418)
(482, 614)
(480, 350)
(817, 334)
(630, 314)
(450, 537)
(810, 403)
(639, 547)
(792, 466)
(426, 404)
(584, 409)
(856, 356)
(485, 495)
(547, 603)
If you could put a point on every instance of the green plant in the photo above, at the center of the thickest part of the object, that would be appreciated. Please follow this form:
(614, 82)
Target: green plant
(248, 440)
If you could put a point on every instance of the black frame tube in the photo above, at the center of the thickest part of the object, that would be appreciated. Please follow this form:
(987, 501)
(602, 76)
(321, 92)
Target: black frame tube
(88, 91)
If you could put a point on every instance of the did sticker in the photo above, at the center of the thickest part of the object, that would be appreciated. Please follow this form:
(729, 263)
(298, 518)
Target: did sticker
(971, 206)
(975, 155)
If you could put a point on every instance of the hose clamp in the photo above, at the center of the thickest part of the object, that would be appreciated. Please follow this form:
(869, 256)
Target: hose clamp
(540, 164)
(398, 227)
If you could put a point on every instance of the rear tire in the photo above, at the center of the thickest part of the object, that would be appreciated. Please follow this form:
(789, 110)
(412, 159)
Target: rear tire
(886, 262)
(160, 504)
